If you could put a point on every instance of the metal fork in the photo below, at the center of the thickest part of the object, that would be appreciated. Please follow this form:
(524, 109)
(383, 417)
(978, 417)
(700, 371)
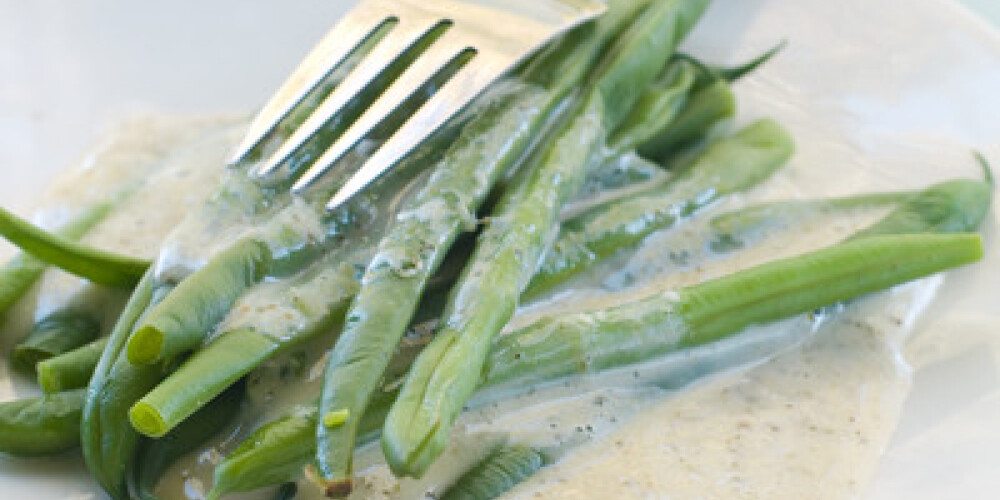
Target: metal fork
(496, 34)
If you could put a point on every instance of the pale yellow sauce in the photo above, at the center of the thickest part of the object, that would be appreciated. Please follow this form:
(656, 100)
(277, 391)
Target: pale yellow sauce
(809, 423)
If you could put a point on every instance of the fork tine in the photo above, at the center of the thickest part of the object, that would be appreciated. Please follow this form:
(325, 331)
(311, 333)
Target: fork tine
(430, 63)
(465, 85)
(335, 46)
(403, 36)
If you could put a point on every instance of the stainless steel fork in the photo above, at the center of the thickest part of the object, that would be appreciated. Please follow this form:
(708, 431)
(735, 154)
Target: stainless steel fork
(493, 34)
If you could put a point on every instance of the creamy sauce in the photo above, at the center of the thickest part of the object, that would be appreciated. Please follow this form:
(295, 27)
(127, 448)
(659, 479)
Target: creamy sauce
(170, 163)
(799, 409)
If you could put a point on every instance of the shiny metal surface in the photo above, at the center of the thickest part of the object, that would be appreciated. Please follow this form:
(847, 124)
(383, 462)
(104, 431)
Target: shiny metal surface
(493, 34)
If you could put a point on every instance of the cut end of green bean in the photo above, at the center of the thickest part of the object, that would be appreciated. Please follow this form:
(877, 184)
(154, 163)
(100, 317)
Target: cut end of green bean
(47, 380)
(147, 420)
(335, 419)
(145, 346)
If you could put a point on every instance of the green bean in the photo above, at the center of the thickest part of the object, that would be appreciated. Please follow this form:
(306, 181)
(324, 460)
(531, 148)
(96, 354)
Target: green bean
(711, 103)
(104, 439)
(70, 370)
(181, 322)
(57, 333)
(496, 474)
(41, 426)
(157, 455)
(727, 166)
(95, 265)
(269, 319)
(427, 227)
(296, 435)
(703, 109)
(278, 451)
(445, 374)
(261, 324)
(706, 312)
(656, 108)
(17, 275)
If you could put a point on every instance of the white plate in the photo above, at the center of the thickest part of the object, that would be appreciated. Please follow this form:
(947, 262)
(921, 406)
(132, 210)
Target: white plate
(906, 86)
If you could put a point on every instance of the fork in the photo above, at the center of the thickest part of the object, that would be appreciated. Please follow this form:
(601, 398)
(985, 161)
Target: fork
(487, 37)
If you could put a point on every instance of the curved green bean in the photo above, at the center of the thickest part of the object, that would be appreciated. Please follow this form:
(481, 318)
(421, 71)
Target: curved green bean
(17, 275)
(87, 262)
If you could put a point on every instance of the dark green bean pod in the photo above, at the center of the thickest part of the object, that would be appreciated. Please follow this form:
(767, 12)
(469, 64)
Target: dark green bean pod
(70, 370)
(58, 333)
(496, 474)
(87, 262)
(41, 426)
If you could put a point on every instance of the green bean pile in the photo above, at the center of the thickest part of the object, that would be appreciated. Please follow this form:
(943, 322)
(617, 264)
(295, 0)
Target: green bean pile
(611, 108)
